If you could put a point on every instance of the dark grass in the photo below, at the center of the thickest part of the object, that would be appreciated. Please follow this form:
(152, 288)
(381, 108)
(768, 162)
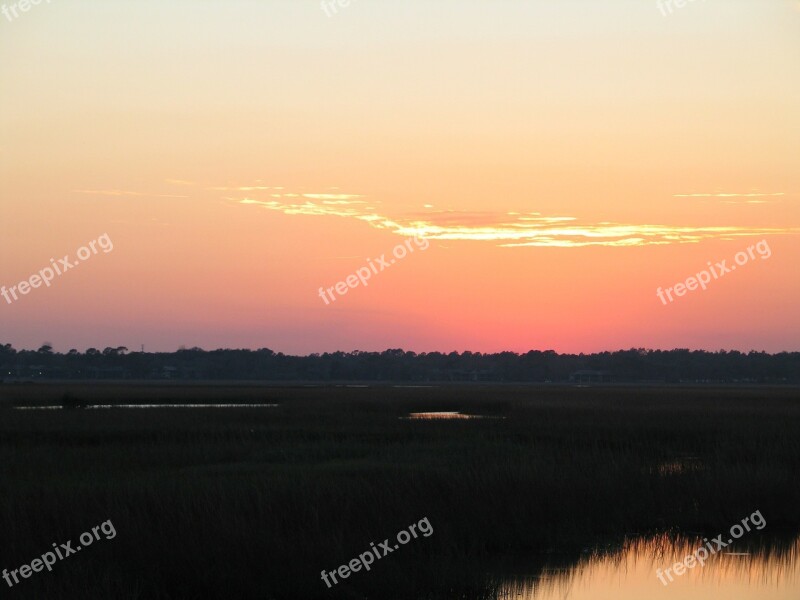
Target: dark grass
(254, 503)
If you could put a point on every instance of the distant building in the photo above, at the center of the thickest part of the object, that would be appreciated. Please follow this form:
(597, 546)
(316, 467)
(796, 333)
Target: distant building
(589, 376)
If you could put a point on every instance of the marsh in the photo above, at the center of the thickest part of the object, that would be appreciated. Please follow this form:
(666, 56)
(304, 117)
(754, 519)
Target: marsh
(251, 502)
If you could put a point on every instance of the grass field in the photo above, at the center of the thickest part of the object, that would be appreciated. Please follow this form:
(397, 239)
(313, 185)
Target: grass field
(255, 502)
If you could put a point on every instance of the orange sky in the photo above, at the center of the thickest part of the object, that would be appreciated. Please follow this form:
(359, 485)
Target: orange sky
(563, 159)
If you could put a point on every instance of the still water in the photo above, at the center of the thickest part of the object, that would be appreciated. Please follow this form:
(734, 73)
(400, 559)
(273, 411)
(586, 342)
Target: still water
(444, 415)
(743, 571)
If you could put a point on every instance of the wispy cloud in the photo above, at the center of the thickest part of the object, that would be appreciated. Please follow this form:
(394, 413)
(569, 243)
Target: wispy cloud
(510, 229)
(730, 195)
(746, 201)
(341, 197)
(254, 188)
(517, 229)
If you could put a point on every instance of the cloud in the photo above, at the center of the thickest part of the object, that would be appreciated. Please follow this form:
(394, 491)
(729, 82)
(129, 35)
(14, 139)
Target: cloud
(729, 195)
(342, 197)
(255, 188)
(517, 229)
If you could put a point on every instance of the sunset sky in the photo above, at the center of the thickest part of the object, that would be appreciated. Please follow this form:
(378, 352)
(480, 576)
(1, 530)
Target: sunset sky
(564, 159)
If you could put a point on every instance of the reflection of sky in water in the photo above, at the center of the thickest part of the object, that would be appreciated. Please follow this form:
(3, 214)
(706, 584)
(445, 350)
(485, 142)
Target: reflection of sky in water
(741, 571)
(438, 415)
(445, 415)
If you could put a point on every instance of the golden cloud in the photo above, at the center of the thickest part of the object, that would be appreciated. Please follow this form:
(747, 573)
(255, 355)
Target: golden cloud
(517, 229)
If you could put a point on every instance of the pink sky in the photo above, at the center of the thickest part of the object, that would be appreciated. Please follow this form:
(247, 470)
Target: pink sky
(563, 160)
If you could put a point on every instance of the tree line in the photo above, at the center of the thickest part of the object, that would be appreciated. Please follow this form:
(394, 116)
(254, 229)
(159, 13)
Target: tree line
(634, 365)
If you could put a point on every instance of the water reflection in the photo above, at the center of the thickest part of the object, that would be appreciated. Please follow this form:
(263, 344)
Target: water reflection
(745, 571)
(446, 415)
(438, 415)
(680, 466)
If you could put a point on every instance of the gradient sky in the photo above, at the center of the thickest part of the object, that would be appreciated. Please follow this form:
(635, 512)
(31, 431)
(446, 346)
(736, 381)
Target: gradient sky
(563, 158)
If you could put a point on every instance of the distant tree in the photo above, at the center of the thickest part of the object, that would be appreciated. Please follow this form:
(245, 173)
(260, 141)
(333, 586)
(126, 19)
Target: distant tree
(635, 364)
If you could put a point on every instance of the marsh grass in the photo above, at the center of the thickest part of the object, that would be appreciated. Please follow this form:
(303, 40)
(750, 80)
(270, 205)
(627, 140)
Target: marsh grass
(249, 503)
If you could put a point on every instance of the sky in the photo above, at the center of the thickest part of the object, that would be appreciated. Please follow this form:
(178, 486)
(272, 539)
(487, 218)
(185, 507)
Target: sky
(551, 168)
